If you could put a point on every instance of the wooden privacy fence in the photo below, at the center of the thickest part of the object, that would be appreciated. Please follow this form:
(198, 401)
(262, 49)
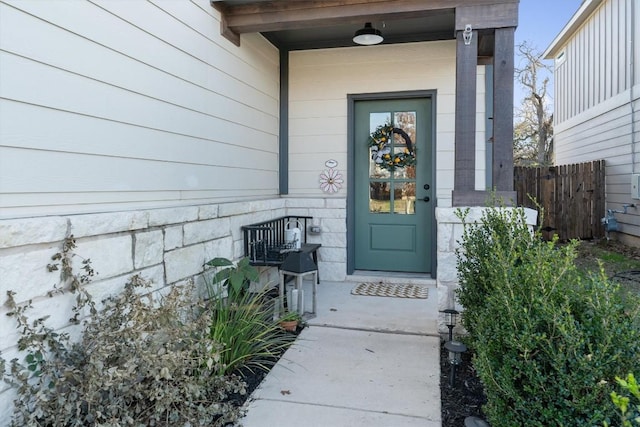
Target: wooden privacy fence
(572, 197)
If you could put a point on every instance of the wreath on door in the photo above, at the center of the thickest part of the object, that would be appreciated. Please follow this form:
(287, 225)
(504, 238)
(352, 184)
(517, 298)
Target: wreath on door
(380, 144)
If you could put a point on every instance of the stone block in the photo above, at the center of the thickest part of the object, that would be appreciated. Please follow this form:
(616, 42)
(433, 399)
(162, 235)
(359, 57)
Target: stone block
(207, 212)
(299, 212)
(334, 225)
(269, 205)
(28, 231)
(447, 269)
(328, 213)
(333, 240)
(202, 231)
(456, 239)
(293, 202)
(231, 209)
(332, 271)
(445, 232)
(219, 248)
(177, 215)
(101, 290)
(336, 203)
(110, 256)
(183, 263)
(332, 254)
(6, 401)
(173, 237)
(26, 273)
(107, 223)
(148, 248)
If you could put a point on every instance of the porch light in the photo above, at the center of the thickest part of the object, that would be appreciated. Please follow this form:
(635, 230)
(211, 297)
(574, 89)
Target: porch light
(450, 320)
(368, 35)
(455, 349)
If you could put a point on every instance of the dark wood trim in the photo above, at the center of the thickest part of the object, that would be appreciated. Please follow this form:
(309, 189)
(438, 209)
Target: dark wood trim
(483, 16)
(284, 15)
(503, 70)
(465, 130)
(226, 32)
(329, 44)
(351, 182)
(483, 198)
(283, 155)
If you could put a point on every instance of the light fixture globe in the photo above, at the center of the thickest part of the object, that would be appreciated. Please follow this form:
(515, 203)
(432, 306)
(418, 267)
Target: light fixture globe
(368, 35)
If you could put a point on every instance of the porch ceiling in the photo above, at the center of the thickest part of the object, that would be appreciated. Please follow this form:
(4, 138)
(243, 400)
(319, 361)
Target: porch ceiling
(313, 24)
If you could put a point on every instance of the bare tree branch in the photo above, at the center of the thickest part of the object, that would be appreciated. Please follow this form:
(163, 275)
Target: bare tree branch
(533, 129)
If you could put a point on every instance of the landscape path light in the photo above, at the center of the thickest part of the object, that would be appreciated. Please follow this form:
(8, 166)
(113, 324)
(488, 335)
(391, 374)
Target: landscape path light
(455, 349)
(450, 320)
(475, 422)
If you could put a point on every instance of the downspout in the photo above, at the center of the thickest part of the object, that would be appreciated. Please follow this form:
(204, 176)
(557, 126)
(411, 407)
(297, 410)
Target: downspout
(632, 82)
(283, 141)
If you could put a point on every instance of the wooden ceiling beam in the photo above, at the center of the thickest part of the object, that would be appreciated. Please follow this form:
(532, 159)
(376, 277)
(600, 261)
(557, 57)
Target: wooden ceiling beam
(280, 15)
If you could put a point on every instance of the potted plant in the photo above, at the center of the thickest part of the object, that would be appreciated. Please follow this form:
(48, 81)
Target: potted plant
(290, 321)
(235, 277)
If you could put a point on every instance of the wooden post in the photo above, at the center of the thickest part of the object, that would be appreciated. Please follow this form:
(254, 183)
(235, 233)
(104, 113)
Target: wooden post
(465, 131)
(503, 110)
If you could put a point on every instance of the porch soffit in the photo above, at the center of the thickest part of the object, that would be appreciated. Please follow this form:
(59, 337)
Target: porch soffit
(312, 24)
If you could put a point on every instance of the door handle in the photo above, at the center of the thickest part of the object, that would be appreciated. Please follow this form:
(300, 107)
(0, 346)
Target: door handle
(424, 199)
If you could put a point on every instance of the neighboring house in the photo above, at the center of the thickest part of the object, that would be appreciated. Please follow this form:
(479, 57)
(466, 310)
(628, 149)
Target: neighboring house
(596, 103)
(141, 130)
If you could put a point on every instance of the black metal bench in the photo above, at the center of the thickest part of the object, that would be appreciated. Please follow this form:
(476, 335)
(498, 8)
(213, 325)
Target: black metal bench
(265, 243)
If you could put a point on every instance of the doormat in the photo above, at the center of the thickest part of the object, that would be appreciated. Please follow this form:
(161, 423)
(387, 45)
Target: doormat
(391, 290)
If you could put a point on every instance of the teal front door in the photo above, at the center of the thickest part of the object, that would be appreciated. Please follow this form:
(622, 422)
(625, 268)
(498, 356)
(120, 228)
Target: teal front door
(393, 185)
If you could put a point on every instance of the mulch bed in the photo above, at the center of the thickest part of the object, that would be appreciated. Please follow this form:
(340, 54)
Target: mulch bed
(466, 397)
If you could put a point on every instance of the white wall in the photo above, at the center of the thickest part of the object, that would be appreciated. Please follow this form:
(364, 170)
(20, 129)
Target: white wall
(114, 105)
(597, 97)
(320, 81)
(606, 132)
(594, 65)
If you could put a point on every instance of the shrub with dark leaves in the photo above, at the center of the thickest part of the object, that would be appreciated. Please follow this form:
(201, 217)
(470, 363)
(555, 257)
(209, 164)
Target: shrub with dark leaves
(548, 340)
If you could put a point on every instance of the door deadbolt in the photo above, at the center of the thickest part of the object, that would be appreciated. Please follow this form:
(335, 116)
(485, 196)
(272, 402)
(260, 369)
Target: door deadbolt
(426, 186)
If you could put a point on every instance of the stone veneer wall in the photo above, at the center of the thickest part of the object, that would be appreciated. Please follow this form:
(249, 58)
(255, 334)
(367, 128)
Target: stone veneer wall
(167, 246)
(449, 232)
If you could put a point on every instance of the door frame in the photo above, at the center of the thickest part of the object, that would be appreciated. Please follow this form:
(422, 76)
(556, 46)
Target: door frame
(351, 184)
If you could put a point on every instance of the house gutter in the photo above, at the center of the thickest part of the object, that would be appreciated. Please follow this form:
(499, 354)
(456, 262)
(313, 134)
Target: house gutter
(581, 15)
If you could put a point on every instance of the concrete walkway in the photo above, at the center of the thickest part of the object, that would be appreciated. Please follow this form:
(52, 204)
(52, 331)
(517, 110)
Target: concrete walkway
(363, 361)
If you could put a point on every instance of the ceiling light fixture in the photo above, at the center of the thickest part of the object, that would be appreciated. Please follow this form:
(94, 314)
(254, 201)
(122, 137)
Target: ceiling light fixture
(368, 35)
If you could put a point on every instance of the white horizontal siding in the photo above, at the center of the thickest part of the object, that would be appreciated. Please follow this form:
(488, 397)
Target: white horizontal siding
(320, 81)
(605, 132)
(112, 102)
(596, 62)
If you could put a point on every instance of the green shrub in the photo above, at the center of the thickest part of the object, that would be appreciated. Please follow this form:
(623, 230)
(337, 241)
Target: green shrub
(628, 406)
(548, 342)
(488, 252)
(141, 361)
(250, 336)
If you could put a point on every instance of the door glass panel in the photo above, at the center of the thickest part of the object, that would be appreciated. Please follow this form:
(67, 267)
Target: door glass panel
(404, 198)
(378, 154)
(397, 148)
(379, 197)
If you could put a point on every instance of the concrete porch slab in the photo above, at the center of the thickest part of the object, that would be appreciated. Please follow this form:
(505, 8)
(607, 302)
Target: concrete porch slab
(341, 377)
(363, 361)
(337, 307)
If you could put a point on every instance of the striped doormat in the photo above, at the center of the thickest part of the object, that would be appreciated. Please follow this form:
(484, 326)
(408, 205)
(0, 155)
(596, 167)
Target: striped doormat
(391, 290)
